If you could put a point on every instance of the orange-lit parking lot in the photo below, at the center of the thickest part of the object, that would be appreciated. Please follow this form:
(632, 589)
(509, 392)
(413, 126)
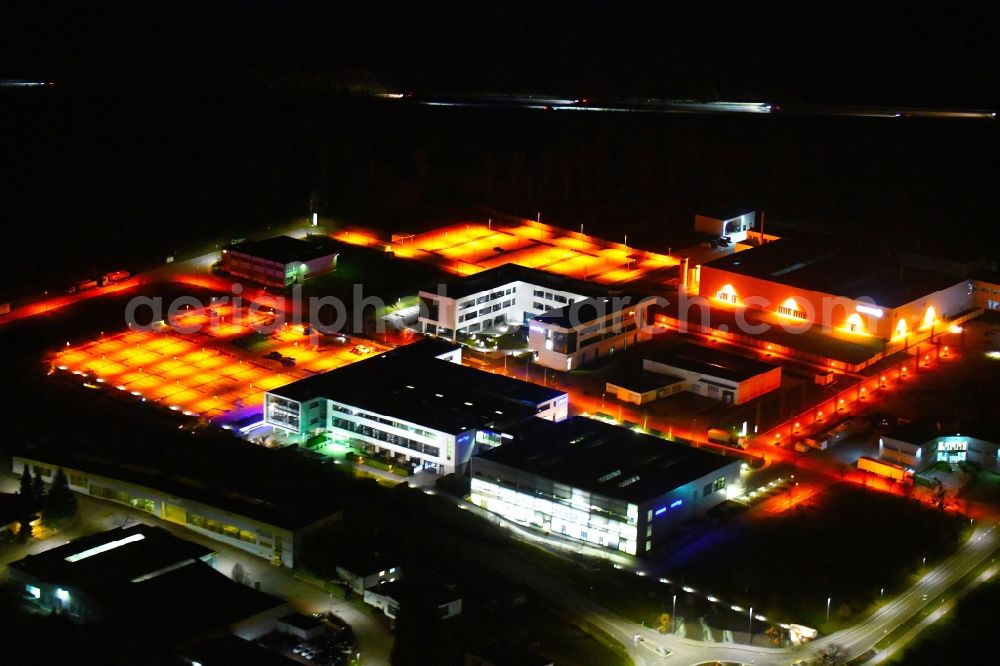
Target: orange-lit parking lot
(198, 373)
(470, 248)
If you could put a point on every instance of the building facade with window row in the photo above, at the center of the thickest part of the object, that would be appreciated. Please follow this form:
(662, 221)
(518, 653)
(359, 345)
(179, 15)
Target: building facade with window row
(578, 334)
(418, 409)
(250, 524)
(602, 484)
(507, 294)
(278, 262)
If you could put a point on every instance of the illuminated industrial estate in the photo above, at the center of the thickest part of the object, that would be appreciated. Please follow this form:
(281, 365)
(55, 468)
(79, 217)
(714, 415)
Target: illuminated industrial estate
(351, 335)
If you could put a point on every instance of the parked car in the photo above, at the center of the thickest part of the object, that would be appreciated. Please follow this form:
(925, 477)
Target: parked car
(273, 355)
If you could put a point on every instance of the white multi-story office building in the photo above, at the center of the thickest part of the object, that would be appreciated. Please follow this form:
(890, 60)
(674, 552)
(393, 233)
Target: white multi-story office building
(508, 294)
(579, 333)
(412, 406)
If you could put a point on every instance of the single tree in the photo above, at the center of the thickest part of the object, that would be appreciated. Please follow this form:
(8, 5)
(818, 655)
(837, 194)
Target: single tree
(38, 488)
(27, 488)
(60, 502)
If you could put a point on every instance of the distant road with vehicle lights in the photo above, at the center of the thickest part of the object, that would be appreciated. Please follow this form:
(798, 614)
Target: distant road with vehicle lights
(668, 106)
(648, 647)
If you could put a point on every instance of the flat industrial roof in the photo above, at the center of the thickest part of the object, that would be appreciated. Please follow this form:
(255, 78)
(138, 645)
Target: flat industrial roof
(812, 341)
(183, 603)
(285, 249)
(300, 621)
(117, 555)
(507, 273)
(606, 459)
(712, 362)
(229, 649)
(588, 310)
(641, 382)
(424, 390)
(923, 430)
(834, 267)
(432, 346)
(250, 493)
(362, 561)
(724, 214)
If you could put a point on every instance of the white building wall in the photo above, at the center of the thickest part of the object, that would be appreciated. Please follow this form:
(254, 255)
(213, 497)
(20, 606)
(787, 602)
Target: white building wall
(589, 349)
(445, 460)
(522, 299)
(946, 303)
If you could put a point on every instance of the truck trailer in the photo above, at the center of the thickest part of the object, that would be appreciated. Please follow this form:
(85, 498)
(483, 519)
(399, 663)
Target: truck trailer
(113, 278)
(886, 469)
(82, 285)
(720, 436)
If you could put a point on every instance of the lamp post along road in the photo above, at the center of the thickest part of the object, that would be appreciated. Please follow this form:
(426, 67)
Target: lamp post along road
(673, 617)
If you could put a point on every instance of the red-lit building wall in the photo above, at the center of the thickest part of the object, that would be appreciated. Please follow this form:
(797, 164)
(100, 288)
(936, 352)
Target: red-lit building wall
(836, 314)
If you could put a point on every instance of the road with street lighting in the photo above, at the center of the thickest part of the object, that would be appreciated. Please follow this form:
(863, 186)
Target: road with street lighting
(648, 647)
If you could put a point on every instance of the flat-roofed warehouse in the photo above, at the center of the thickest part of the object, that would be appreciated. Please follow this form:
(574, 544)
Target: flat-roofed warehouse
(846, 290)
(279, 261)
(717, 374)
(147, 583)
(410, 404)
(245, 513)
(600, 483)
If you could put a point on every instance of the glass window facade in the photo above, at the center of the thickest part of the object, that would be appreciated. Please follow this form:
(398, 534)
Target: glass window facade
(567, 511)
(283, 412)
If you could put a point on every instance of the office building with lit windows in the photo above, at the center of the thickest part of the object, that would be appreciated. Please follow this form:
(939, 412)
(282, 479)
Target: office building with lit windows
(924, 442)
(262, 526)
(582, 332)
(602, 484)
(278, 262)
(409, 405)
(507, 294)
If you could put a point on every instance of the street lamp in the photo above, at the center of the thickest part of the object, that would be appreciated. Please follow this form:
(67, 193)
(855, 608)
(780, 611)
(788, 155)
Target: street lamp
(750, 627)
(673, 616)
(828, 600)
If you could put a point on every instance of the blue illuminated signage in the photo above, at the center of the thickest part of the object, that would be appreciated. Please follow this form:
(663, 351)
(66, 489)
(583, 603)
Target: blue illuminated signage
(676, 503)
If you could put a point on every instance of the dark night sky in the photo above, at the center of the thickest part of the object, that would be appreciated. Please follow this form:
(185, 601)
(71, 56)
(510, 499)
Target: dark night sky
(898, 52)
(177, 122)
